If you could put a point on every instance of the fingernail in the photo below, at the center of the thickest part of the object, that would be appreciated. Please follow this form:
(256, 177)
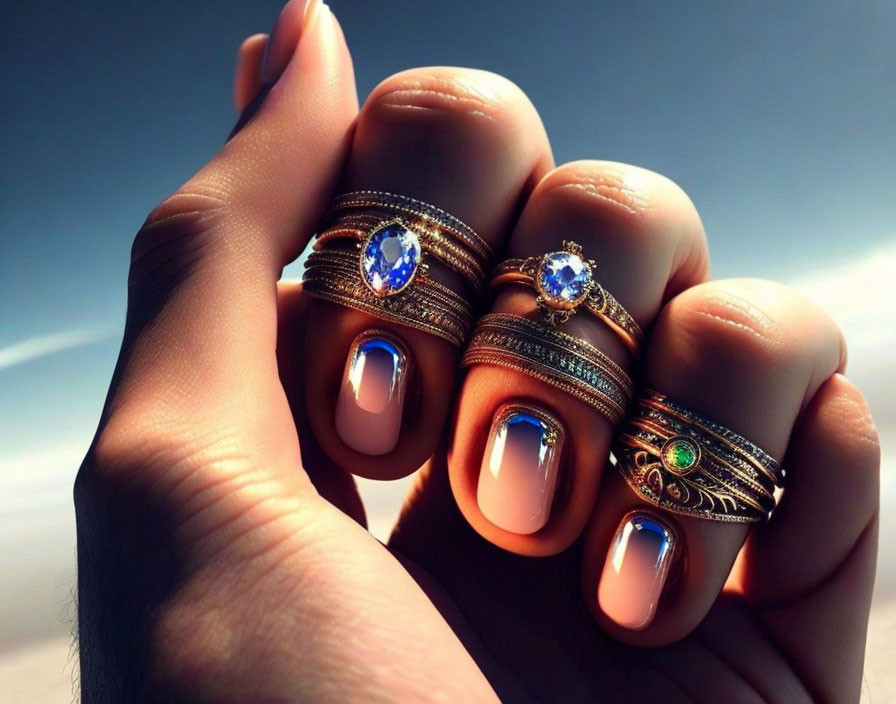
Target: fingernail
(519, 468)
(371, 399)
(636, 569)
(293, 19)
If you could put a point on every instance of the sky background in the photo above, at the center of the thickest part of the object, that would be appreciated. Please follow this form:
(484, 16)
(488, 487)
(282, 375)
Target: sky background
(777, 118)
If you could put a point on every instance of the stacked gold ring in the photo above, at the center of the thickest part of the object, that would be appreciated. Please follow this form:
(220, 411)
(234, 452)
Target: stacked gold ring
(564, 282)
(682, 462)
(550, 355)
(448, 239)
(332, 275)
(374, 254)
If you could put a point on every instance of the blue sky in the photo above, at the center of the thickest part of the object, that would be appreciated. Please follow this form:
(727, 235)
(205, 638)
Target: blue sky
(777, 117)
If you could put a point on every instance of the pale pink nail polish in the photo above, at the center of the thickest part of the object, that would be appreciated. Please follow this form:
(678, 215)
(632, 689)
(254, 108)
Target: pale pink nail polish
(371, 398)
(519, 468)
(636, 569)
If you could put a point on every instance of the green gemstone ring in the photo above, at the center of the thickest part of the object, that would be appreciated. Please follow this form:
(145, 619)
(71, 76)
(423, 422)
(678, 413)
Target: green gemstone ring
(680, 461)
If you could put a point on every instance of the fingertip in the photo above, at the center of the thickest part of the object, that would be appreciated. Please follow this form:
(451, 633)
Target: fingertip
(247, 72)
(294, 19)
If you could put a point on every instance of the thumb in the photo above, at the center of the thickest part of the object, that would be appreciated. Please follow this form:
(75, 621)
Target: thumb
(196, 401)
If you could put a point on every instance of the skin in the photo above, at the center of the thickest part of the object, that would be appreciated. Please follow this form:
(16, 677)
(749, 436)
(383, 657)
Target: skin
(221, 541)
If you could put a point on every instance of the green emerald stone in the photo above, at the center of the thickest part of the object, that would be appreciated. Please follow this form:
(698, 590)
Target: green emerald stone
(680, 454)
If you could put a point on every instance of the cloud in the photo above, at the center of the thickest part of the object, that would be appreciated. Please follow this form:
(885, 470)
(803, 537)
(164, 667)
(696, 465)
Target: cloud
(859, 294)
(40, 480)
(43, 345)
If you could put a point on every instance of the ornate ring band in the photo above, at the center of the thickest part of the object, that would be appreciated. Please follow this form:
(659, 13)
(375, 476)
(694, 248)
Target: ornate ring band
(359, 226)
(373, 253)
(332, 275)
(374, 217)
(674, 458)
(405, 205)
(565, 281)
(550, 355)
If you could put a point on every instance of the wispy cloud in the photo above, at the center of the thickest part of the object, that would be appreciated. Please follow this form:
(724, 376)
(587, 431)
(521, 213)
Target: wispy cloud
(44, 345)
(859, 294)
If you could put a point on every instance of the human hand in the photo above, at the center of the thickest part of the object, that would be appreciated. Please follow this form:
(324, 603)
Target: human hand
(222, 553)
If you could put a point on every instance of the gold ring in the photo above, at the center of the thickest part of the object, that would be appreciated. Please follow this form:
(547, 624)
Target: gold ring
(332, 275)
(564, 282)
(375, 251)
(682, 462)
(550, 355)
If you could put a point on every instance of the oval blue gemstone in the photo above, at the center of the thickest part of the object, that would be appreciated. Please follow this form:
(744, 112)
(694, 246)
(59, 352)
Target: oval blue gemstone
(390, 259)
(564, 277)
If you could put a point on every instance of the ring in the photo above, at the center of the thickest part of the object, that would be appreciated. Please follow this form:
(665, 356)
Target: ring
(564, 282)
(674, 458)
(550, 355)
(332, 275)
(374, 218)
(373, 254)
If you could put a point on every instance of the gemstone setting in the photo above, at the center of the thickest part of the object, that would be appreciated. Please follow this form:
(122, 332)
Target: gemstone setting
(390, 258)
(563, 279)
(680, 455)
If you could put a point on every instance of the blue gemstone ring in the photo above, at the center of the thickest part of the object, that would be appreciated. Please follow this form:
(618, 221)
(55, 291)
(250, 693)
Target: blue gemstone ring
(564, 281)
(375, 252)
(390, 258)
(396, 233)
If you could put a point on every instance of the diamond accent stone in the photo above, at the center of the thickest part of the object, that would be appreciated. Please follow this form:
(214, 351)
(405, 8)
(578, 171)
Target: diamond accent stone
(390, 258)
(564, 279)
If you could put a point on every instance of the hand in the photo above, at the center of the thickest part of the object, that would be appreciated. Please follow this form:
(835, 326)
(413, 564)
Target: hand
(221, 542)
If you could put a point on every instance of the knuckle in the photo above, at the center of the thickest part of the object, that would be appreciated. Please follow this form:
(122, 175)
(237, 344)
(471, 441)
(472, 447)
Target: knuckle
(755, 323)
(633, 214)
(599, 186)
(186, 202)
(459, 97)
(179, 219)
(594, 187)
(127, 444)
(149, 457)
(849, 414)
(174, 236)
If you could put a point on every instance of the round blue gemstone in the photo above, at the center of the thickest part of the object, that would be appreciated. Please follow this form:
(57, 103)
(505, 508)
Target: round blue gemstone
(390, 259)
(564, 277)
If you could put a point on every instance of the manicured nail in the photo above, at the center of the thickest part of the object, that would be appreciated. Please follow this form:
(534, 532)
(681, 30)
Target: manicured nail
(636, 569)
(519, 468)
(294, 18)
(371, 399)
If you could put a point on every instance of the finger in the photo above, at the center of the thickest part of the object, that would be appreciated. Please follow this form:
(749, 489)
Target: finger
(816, 607)
(747, 355)
(196, 399)
(291, 24)
(649, 243)
(468, 142)
(247, 72)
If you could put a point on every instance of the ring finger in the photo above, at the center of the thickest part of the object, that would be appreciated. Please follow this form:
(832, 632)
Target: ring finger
(744, 355)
